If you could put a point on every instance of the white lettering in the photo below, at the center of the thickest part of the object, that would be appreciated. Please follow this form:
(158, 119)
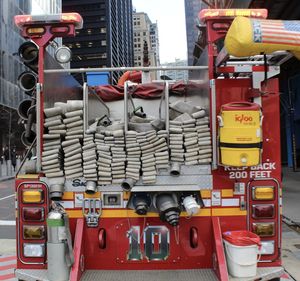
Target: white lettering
(260, 171)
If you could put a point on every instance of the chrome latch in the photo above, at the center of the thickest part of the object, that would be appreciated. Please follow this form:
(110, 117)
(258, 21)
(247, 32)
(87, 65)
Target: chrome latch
(92, 210)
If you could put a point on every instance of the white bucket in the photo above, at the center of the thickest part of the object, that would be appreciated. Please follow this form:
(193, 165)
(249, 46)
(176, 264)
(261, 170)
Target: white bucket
(241, 260)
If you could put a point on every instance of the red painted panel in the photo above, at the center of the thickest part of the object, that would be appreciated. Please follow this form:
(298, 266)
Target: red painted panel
(182, 255)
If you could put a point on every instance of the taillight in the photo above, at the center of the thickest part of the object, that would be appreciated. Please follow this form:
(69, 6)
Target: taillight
(31, 250)
(33, 196)
(267, 247)
(36, 31)
(33, 232)
(263, 229)
(263, 211)
(33, 214)
(263, 193)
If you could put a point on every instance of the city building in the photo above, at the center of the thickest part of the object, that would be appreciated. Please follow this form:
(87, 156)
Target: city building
(145, 31)
(192, 9)
(106, 39)
(154, 39)
(176, 74)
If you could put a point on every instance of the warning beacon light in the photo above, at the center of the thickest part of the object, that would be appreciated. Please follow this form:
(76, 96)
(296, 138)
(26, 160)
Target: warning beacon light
(207, 14)
(29, 20)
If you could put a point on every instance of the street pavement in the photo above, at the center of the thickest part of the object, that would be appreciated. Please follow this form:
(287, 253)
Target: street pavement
(7, 265)
(7, 209)
(291, 194)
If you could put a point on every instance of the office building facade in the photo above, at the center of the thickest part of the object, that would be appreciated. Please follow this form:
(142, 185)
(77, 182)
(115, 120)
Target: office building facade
(106, 39)
(11, 66)
(145, 31)
(192, 9)
(10, 69)
(176, 74)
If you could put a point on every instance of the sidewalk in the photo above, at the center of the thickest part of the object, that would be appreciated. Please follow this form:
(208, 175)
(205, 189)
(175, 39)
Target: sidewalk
(6, 178)
(6, 170)
(291, 194)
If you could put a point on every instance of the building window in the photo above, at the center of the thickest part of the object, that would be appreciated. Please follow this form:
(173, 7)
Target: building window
(103, 29)
(103, 43)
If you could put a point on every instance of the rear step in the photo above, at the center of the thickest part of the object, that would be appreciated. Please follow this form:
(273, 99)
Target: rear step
(150, 275)
(263, 273)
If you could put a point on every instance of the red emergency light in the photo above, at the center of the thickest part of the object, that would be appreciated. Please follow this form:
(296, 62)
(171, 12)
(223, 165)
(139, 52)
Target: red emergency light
(207, 14)
(66, 18)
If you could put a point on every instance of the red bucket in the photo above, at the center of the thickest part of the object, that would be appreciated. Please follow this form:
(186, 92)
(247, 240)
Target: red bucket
(242, 238)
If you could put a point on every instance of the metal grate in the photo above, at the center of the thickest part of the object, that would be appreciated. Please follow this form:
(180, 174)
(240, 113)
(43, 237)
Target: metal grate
(150, 275)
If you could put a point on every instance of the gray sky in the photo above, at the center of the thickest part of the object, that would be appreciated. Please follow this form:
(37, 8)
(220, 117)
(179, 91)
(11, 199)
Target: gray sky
(170, 17)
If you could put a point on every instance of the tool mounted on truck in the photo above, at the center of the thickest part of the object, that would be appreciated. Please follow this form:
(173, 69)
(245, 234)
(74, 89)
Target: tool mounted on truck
(151, 175)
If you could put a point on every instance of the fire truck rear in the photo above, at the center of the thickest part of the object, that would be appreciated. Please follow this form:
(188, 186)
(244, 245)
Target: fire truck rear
(139, 182)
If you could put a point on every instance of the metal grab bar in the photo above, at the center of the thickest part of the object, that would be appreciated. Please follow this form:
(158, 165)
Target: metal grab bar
(111, 69)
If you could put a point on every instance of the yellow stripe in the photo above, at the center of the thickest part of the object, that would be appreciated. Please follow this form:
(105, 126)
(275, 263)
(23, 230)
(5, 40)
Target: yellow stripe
(130, 214)
(228, 212)
(68, 195)
(95, 195)
(28, 176)
(227, 193)
(205, 193)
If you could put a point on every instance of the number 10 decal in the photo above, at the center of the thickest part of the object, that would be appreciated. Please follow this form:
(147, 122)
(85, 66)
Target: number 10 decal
(150, 234)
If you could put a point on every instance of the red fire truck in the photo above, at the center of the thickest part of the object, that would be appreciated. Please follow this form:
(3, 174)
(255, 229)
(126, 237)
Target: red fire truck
(214, 145)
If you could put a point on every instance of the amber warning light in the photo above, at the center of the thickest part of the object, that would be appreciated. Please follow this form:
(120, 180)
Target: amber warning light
(207, 14)
(67, 18)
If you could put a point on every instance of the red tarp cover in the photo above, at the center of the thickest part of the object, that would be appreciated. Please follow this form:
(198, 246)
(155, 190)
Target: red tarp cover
(143, 91)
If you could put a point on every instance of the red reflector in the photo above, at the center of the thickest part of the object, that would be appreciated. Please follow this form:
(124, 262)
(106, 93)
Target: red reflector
(33, 214)
(263, 211)
(59, 29)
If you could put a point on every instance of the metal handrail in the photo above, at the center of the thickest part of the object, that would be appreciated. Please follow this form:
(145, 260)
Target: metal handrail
(111, 69)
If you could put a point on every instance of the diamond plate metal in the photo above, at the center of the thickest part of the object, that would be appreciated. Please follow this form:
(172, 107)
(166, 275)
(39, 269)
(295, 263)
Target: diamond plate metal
(150, 275)
(201, 180)
(189, 170)
(263, 274)
(192, 178)
(31, 274)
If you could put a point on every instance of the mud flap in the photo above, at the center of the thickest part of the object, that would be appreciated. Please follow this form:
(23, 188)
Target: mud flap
(219, 260)
(78, 248)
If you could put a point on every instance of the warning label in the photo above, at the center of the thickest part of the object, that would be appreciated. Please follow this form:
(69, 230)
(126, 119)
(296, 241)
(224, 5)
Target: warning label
(261, 171)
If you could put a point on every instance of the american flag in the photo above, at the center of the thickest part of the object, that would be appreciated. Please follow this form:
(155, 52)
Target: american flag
(276, 32)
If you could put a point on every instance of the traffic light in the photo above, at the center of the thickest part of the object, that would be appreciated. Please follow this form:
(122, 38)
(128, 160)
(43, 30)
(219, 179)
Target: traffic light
(27, 80)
